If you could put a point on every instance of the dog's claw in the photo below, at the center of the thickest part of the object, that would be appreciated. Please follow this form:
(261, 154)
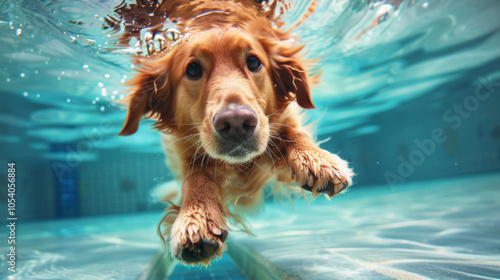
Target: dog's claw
(307, 188)
(328, 189)
(310, 180)
(344, 186)
(331, 190)
(223, 235)
(214, 229)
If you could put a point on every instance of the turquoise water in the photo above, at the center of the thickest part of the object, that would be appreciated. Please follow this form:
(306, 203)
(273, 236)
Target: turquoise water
(408, 95)
(67, 75)
(441, 229)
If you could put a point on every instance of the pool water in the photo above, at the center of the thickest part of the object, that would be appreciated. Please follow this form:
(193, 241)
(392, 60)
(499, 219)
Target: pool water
(409, 95)
(440, 229)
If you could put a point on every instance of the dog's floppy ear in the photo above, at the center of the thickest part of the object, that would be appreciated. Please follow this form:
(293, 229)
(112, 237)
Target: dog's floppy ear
(138, 105)
(151, 96)
(289, 76)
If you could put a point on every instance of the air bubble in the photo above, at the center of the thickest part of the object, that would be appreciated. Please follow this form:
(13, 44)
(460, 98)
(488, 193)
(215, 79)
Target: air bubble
(106, 75)
(425, 5)
(68, 100)
(85, 66)
(100, 84)
(25, 93)
(89, 42)
(22, 75)
(102, 108)
(19, 31)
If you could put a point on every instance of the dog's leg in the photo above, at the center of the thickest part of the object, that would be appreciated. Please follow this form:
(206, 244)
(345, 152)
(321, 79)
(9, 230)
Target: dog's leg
(315, 169)
(199, 230)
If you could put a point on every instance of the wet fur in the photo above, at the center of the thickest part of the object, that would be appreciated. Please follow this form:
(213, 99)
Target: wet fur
(184, 110)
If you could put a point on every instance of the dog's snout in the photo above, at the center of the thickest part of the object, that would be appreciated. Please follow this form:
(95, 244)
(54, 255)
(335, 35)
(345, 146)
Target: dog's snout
(236, 123)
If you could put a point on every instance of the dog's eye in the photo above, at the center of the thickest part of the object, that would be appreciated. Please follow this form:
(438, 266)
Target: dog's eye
(194, 71)
(253, 63)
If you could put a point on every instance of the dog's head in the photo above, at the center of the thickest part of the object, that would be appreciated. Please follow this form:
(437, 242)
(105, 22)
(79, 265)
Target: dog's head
(225, 83)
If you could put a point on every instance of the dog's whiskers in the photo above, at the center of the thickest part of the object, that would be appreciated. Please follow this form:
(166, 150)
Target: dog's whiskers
(245, 167)
(195, 124)
(285, 125)
(178, 156)
(205, 155)
(194, 156)
(279, 138)
(263, 169)
(185, 137)
(157, 156)
(276, 146)
(275, 112)
(268, 152)
(191, 129)
(279, 150)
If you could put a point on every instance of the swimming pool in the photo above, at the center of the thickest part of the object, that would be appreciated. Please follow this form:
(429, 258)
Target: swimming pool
(409, 96)
(439, 229)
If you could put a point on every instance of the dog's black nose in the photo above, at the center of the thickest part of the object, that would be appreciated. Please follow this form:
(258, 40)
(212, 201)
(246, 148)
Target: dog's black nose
(236, 122)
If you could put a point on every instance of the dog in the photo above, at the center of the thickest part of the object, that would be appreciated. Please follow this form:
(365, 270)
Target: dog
(226, 87)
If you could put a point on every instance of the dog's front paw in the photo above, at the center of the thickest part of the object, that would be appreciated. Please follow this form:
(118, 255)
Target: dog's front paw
(195, 238)
(319, 171)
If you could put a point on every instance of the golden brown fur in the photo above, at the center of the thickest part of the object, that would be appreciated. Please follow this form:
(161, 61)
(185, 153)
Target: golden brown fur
(220, 37)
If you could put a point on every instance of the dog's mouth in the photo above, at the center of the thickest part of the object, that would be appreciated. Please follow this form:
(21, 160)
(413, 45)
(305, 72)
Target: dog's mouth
(237, 135)
(238, 152)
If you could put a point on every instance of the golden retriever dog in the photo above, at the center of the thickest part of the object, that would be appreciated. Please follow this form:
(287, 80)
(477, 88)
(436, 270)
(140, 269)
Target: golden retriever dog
(225, 88)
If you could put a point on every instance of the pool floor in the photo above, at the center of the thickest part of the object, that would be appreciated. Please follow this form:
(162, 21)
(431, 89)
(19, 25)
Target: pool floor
(441, 229)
